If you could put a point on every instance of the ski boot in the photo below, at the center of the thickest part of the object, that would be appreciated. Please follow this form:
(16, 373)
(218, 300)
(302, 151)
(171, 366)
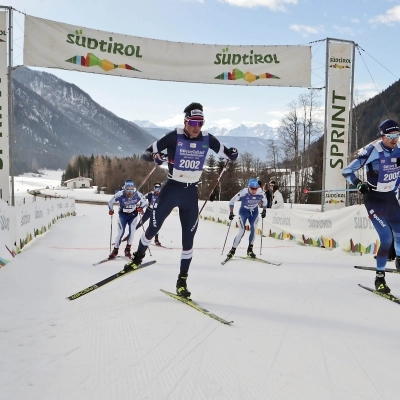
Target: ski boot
(128, 251)
(156, 241)
(380, 283)
(181, 288)
(250, 252)
(398, 263)
(113, 254)
(231, 252)
(134, 264)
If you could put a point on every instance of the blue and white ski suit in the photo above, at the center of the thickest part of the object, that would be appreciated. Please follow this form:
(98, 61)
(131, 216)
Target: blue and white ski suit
(127, 213)
(248, 212)
(383, 167)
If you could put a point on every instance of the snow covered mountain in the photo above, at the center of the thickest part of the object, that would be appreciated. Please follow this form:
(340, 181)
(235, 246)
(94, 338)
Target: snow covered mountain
(252, 140)
(55, 120)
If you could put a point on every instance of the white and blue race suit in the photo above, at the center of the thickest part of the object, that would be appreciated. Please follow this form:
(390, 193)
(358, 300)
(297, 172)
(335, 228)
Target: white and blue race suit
(382, 165)
(186, 157)
(127, 213)
(248, 212)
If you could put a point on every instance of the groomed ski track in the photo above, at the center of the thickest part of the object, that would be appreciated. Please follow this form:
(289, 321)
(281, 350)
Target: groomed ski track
(303, 330)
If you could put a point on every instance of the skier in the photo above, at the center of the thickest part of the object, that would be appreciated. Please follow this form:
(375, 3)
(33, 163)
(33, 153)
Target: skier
(250, 197)
(381, 160)
(187, 150)
(131, 202)
(151, 199)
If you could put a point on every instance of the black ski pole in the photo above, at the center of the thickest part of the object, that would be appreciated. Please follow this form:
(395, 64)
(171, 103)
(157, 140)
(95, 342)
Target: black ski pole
(215, 184)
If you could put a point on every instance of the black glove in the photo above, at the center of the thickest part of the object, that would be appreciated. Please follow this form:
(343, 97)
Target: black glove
(159, 158)
(362, 187)
(263, 214)
(111, 212)
(212, 197)
(231, 215)
(232, 153)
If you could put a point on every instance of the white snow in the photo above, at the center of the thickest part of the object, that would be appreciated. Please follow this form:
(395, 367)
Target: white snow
(303, 330)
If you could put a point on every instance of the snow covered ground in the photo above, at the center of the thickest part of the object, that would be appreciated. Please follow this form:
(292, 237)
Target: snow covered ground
(302, 330)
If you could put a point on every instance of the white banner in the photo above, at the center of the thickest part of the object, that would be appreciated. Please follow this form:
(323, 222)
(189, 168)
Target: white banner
(337, 121)
(4, 134)
(349, 228)
(57, 45)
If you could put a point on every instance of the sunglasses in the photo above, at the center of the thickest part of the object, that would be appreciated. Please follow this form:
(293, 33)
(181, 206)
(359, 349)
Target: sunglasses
(157, 187)
(392, 135)
(193, 122)
(130, 190)
(253, 188)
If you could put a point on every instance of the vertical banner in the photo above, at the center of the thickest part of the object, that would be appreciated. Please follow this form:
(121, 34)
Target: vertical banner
(338, 104)
(4, 134)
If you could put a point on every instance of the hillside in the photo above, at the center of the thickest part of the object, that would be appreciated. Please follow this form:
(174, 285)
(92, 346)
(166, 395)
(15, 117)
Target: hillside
(55, 120)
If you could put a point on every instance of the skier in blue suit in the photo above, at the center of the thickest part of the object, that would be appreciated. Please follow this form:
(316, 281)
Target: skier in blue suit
(131, 203)
(250, 198)
(381, 160)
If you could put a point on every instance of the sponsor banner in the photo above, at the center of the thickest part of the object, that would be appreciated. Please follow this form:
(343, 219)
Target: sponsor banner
(90, 50)
(348, 228)
(36, 218)
(4, 138)
(7, 233)
(337, 122)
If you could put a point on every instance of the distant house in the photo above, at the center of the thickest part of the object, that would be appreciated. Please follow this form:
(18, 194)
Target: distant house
(79, 182)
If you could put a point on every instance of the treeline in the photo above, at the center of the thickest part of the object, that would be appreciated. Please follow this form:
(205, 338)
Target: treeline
(112, 172)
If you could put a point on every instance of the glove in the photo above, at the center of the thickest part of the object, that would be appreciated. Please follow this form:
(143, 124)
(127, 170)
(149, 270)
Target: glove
(263, 214)
(232, 153)
(159, 158)
(139, 209)
(231, 215)
(111, 212)
(362, 187)
(212, 197)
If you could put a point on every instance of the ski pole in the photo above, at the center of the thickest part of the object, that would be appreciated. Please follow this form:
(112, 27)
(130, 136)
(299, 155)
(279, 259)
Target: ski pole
(215, 184)
(111, 232)
(262, 232)
(147, 177)
(229, 227)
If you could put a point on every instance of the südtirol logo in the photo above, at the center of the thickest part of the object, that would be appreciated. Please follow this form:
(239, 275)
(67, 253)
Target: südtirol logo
(111, 47)
(343, 62)
(226, 58)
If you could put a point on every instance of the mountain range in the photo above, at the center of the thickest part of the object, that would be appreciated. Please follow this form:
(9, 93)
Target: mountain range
(260, 131)
(55, 120)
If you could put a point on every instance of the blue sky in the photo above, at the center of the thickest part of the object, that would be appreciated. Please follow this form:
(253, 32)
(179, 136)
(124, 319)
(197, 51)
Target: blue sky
(373, 25)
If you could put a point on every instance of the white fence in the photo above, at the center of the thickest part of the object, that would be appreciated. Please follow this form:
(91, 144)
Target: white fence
(19, 225)
(348, 228)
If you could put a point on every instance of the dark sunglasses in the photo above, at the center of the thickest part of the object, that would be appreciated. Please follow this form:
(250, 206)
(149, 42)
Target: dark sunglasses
(157, 187)
(193, 122)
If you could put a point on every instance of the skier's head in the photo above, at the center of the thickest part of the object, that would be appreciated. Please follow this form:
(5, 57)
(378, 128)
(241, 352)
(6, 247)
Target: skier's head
(157, 187)
(129, 188)
(194, 119)
(390, 133)
(388, 126)
(253, 185)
